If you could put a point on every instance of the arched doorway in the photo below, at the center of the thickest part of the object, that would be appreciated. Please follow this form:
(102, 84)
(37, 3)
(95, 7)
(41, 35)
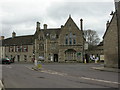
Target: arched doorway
(70, 55)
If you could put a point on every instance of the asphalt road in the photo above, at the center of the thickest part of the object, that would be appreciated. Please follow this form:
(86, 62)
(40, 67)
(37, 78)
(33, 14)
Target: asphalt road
(57, 76)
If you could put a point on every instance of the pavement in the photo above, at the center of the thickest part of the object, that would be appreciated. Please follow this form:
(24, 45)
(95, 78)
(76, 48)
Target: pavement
(100, 68)
(106, 69)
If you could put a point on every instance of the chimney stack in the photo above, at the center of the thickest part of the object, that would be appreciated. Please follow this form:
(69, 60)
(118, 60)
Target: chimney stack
(62, 26)
(2, 38)
(13, 34)
(81, 24)
(45, 26)
(38, 26)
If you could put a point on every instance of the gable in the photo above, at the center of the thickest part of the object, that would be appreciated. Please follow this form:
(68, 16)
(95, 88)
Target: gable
(70, 23)
(70, 29)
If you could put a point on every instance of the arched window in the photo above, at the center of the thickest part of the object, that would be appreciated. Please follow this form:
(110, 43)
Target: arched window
(70, 54)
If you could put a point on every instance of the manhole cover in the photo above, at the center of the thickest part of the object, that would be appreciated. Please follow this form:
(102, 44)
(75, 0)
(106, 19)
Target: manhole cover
(41, 77)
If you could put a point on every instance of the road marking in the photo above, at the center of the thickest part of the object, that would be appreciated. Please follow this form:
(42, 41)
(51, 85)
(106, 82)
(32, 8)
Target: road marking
(65, 74)
(7, 66)
(29, 68)
(86, 78)
(99, 80)
(53, 72)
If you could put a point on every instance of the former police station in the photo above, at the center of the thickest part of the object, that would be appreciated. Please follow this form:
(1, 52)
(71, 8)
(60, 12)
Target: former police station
(54, 44)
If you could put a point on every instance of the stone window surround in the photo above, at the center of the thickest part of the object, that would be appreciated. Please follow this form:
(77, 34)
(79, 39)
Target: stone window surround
(70, 39)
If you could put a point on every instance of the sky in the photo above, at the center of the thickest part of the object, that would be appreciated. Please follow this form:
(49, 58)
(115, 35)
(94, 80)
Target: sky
(21, 16)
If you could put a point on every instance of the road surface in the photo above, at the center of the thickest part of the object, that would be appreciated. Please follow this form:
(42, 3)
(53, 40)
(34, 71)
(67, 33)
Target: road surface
(58, 76)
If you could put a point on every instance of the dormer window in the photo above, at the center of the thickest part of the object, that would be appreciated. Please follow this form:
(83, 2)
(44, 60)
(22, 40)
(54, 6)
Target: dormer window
(53, 36)
(40, 37)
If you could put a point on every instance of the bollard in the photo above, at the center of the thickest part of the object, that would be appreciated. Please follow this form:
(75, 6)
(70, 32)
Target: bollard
(95, 61)
(39, 65)
(85, 61)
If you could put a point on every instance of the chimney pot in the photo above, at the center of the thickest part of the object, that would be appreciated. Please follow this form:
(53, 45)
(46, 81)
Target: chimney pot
(13, 34)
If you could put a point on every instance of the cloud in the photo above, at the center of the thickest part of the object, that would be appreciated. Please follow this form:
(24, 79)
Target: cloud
(21, 15)
(94, 14)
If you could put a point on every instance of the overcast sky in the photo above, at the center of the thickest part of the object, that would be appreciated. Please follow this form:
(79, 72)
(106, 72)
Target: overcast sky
(21, 15)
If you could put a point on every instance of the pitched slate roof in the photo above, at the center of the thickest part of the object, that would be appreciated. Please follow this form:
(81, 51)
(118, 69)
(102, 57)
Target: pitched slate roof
(18, 40)
(48, 31)
(56, 31)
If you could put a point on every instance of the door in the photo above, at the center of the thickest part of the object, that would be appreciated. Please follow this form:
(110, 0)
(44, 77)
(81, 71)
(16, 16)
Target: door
(18, 57)
(55, 57)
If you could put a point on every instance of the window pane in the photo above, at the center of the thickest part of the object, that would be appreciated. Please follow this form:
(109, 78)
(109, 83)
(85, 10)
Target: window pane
(66, 42)
(70, 41)
(74, 41)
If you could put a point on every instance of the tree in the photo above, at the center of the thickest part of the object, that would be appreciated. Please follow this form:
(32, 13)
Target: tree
(92, 38)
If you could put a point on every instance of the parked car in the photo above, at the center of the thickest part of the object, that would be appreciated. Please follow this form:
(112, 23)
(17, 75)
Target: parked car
(6, 61)
(12, 60)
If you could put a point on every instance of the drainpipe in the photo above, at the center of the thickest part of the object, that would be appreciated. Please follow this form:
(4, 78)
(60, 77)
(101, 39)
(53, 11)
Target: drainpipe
(81, 27)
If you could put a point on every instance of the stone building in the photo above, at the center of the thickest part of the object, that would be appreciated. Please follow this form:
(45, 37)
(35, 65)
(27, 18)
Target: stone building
(110, 40)
(54, 44)
(18, 47)
(117, 7)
